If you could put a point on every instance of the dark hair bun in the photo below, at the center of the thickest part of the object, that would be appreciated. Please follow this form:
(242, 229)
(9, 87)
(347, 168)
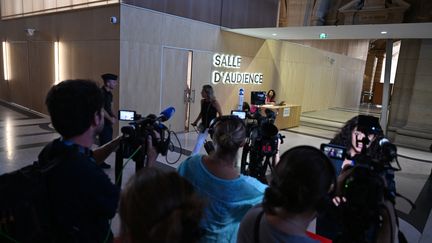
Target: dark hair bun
(300, 180)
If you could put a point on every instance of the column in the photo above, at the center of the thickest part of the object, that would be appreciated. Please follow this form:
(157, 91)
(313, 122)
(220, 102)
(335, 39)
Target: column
(410, 122)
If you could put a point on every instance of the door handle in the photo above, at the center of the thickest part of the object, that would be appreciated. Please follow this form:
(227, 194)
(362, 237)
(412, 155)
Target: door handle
(186, 96)
(192, 96)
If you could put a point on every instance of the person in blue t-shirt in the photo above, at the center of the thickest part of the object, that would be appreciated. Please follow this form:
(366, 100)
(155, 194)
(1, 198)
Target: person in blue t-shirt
(229, 194)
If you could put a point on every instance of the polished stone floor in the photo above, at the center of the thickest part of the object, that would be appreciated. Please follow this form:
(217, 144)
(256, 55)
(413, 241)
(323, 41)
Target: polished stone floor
(23, 133)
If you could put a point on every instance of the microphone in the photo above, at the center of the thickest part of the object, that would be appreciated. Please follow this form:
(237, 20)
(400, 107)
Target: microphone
(166, 114)
(383, 141)
(389, 150)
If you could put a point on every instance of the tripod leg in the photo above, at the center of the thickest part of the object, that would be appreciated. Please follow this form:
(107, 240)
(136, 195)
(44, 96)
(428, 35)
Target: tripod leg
(243, 162)
(264, 170)
(118, 167)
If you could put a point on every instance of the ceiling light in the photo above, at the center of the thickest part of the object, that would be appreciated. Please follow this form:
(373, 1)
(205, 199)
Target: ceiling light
(274, 34)
(383, 32)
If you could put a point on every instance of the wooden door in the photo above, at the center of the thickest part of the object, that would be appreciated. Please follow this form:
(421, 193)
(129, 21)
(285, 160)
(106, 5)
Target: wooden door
(175, 87)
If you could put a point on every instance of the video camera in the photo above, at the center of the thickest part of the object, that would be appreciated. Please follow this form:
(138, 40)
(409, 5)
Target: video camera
(136, 133)
(262, 139)
(367, 184)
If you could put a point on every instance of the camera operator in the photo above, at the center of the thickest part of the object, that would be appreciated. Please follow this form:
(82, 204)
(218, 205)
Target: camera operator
(352, 136)
(229, 194)
(83, 199)
(361, 136)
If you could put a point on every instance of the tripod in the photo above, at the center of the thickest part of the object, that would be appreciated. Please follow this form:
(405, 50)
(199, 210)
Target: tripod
(126, 152)
(256, 167)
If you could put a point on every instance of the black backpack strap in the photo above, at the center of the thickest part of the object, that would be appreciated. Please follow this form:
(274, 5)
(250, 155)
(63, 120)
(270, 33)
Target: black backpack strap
(256, 226)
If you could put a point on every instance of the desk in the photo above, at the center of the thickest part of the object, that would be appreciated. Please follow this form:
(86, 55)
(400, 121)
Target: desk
(287, 116)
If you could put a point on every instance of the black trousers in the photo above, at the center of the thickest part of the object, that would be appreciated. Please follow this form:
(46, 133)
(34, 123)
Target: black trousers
(106, 134)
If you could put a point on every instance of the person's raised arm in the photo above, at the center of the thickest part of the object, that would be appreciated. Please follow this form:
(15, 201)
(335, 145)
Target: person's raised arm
(101, 153)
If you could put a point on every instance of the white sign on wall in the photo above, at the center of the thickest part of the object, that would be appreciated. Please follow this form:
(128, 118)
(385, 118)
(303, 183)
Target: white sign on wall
(226, 77)
(286, 111)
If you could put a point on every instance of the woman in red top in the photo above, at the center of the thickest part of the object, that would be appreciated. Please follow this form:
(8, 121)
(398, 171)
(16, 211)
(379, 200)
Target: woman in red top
(271, 97)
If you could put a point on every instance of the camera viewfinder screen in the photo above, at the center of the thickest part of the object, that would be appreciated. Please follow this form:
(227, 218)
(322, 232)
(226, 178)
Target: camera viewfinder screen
(333, 152)
(240, 114)
(126, 115)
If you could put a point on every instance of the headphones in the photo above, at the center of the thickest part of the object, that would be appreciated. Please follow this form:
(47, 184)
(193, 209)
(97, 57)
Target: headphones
(214, 123)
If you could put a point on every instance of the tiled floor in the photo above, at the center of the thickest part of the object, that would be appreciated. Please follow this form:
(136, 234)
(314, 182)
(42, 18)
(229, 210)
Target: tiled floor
(23, 134)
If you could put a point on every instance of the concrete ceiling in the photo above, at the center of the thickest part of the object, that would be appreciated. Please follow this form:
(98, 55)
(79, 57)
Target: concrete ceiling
(342, 32)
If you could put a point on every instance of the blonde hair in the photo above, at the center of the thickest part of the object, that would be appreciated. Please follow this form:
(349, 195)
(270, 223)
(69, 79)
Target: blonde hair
(208, 89)
(229, 135)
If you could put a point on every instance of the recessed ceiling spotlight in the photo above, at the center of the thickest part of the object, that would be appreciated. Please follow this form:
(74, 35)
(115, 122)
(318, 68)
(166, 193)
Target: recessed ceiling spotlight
(383, 32)
(274, 34)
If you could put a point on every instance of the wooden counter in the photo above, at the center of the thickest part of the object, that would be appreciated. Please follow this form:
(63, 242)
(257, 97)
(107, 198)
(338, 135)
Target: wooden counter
(287, 116)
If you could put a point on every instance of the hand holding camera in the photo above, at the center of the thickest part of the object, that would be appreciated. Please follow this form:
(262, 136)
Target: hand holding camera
(152, 153)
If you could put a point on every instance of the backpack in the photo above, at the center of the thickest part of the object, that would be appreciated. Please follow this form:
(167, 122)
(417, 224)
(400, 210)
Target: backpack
(24, 205)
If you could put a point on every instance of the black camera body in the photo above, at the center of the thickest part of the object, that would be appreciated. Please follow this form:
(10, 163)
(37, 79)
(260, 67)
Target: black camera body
(262, 140)
(262, 133)
(137, 132)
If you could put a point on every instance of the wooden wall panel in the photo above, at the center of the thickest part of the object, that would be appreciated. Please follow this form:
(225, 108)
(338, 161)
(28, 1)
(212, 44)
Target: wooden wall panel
(89, 46)
(20, 8)
(249, 13)
(419, 11)
(299, 74)
(41, 59)
(203, 10)
(27, 5)
(295, 12)
(227, 13)
(19, 83)
(140, 70)
(308, 78)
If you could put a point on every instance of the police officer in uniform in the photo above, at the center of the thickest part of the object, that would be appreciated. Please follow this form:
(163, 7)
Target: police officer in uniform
(110, 82)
